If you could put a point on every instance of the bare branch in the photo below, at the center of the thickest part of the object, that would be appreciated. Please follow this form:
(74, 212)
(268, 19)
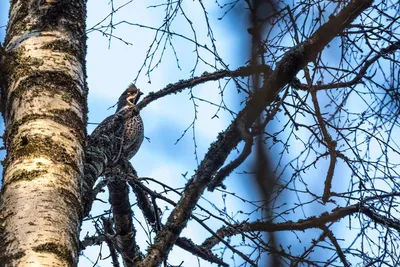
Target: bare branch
(358, 77)
(230, 167)
(301, 225)
(108, 231)
(92, 240)
(335, 243)
(199, 251)
(134, 182)
(286, 69)
(329, 142)
(206, 77)
(122, 214)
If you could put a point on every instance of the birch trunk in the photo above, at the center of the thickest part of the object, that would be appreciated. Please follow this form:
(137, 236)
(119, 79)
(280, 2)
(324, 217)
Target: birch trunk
(44, 110)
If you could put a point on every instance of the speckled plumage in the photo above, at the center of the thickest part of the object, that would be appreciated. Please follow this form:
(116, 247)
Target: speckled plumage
(125, 128)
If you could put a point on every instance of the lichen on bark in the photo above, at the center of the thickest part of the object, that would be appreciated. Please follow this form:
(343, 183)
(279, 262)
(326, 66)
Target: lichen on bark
(44, 93)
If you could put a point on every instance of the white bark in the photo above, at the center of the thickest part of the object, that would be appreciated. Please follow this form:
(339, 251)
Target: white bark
(45, 116)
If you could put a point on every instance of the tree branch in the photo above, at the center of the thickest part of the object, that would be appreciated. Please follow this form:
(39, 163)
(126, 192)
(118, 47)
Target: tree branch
(206, 77)
(122, 214)
(199, 251)
(135, 182)
(228, 169)
(98, 150)
(108, 231)
(301, 225)
(329, 142)
(144, 203)
(361, 74)
(335, 243)
(286, 69)
(92, 240)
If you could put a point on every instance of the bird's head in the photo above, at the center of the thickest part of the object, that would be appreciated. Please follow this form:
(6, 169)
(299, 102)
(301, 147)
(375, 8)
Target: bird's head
(130, 97)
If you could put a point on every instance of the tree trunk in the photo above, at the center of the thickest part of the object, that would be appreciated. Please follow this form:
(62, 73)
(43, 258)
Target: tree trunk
(44, 109)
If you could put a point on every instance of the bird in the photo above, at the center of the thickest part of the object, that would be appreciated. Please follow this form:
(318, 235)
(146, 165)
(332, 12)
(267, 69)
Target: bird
(115, 140)
(121, 134)
(133, 128)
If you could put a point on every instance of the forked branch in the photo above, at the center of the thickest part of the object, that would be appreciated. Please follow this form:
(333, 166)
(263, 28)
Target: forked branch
(293, 61)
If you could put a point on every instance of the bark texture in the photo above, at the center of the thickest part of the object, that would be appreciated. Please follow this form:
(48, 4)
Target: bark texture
(44, 110)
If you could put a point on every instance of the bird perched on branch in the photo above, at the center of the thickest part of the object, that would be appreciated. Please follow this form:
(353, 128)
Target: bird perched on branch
(122, 133)
(117, 137)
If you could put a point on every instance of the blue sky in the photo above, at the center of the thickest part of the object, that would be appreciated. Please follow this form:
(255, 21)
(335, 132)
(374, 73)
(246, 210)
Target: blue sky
(112, 66)
(166, 119)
